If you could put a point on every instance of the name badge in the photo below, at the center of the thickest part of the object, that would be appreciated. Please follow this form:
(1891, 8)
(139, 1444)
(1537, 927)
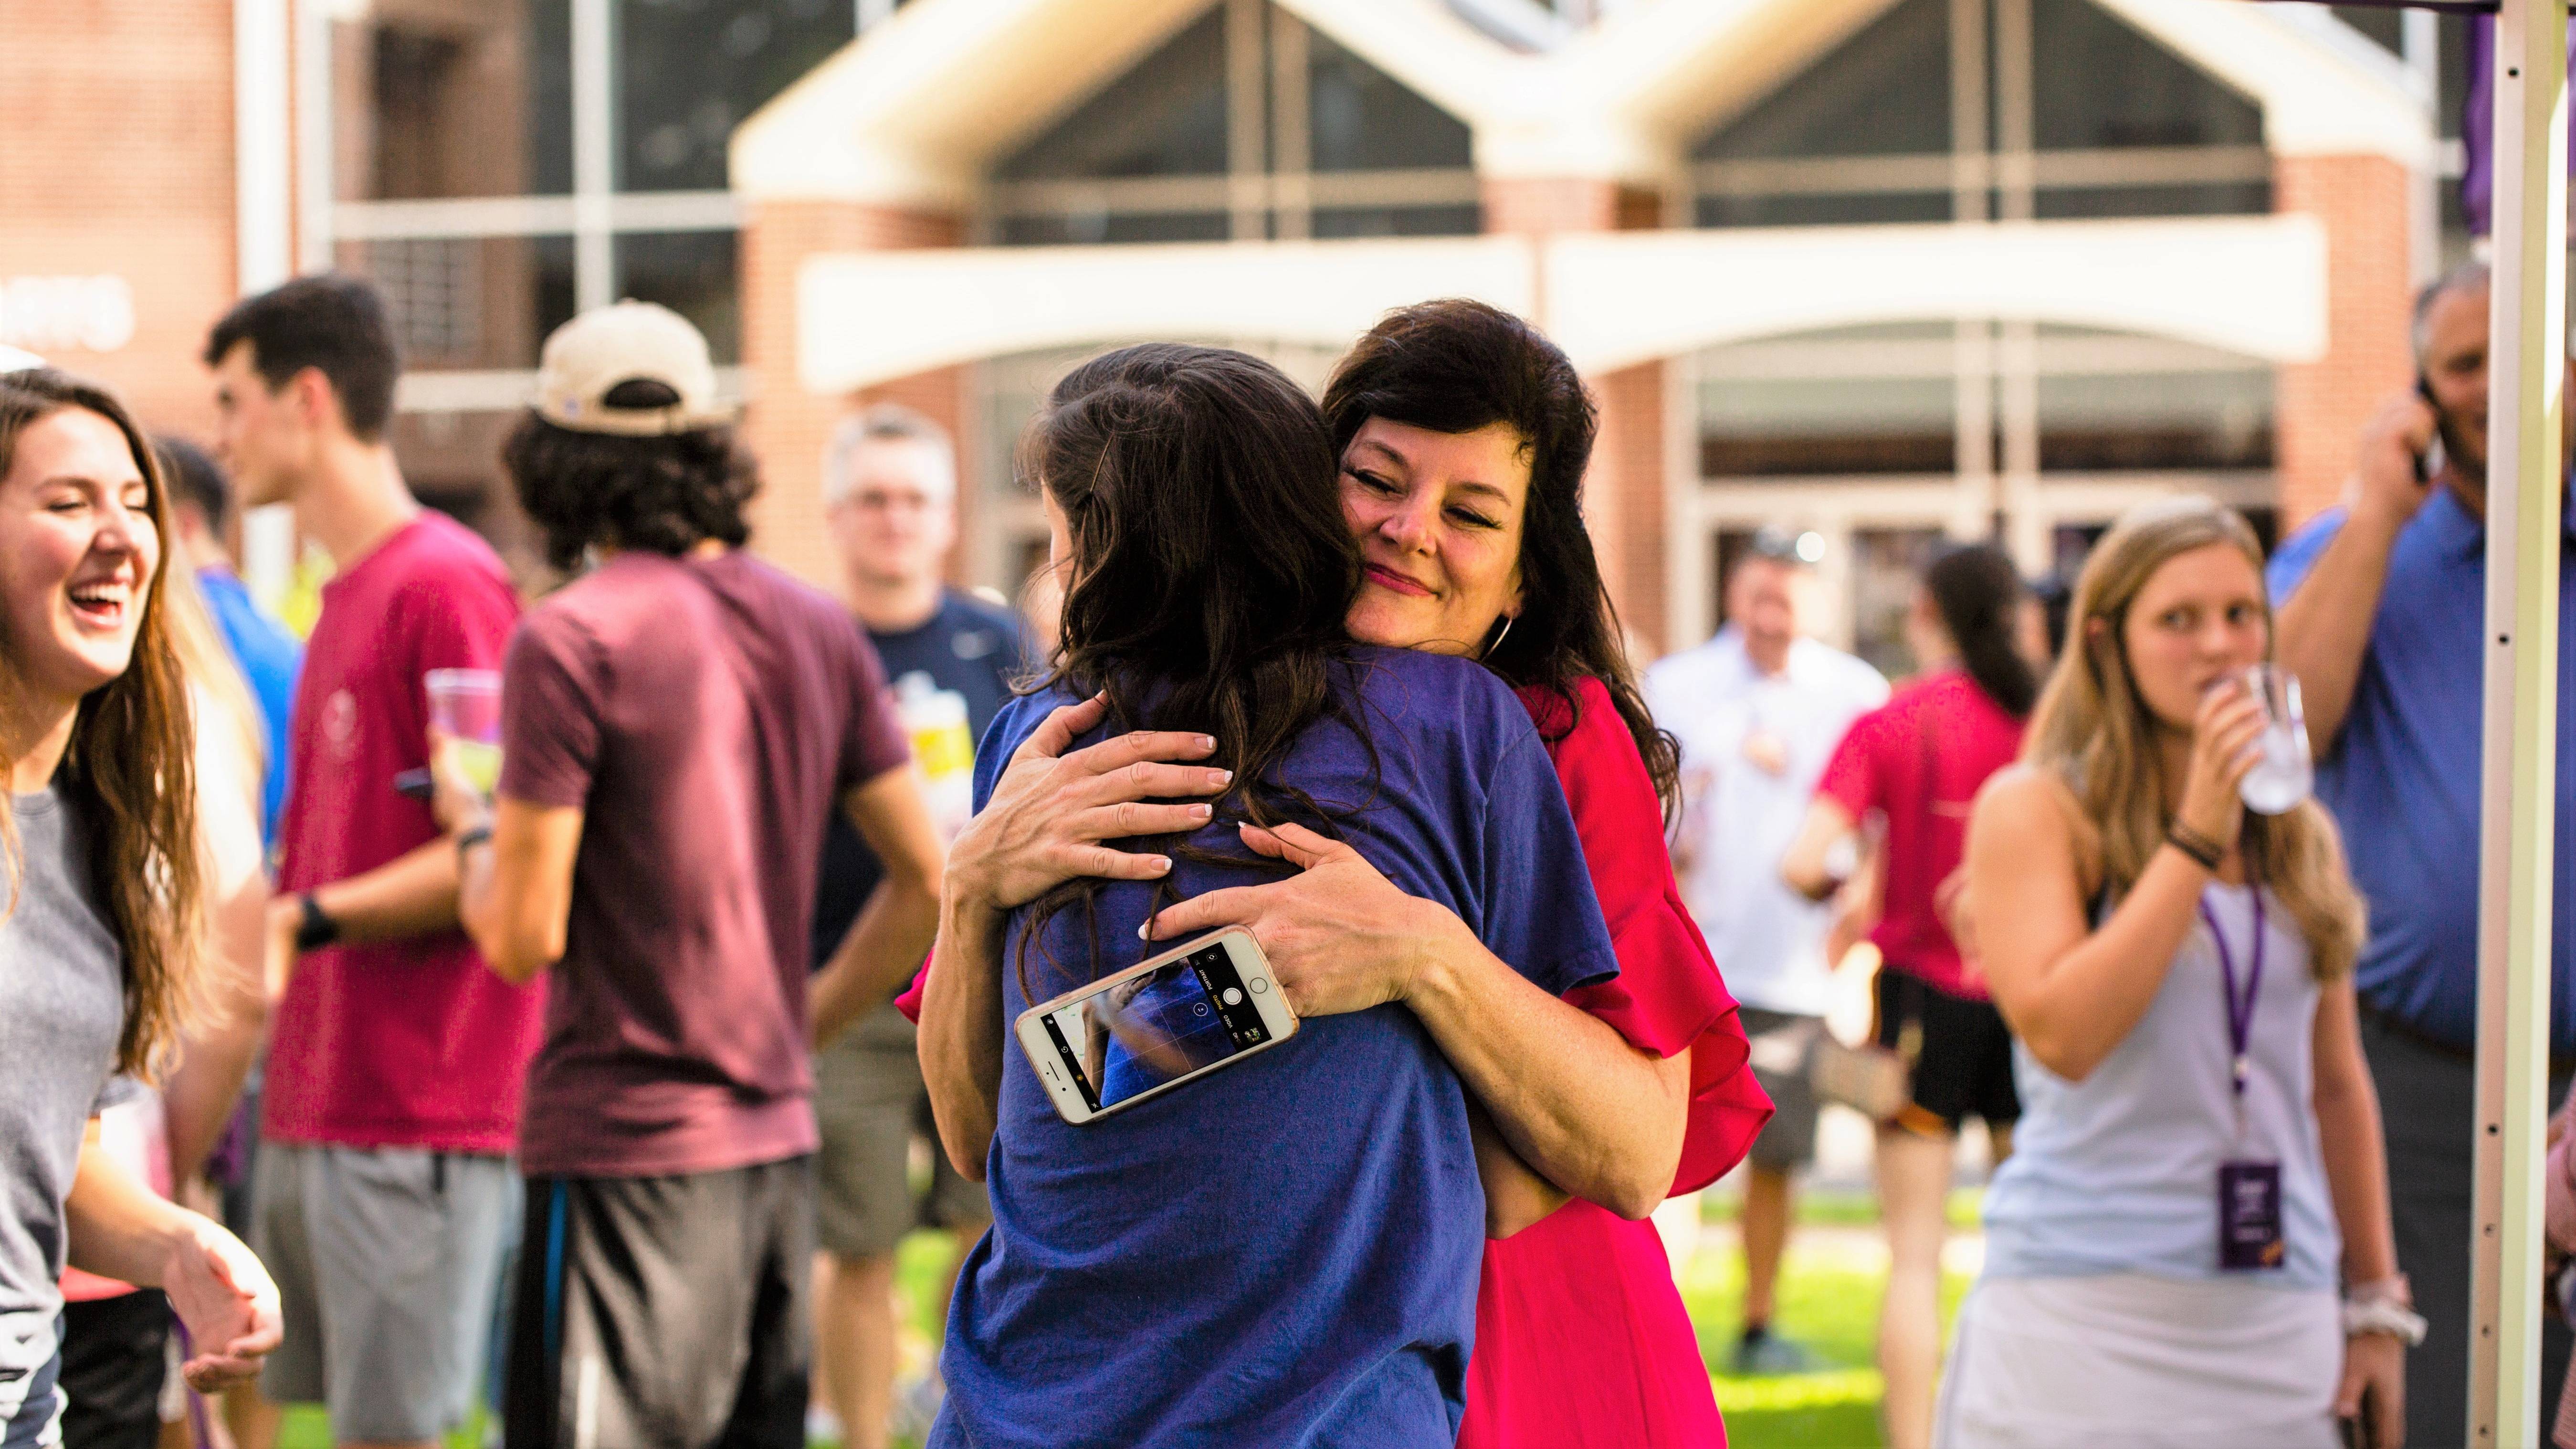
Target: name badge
(2249, 1216)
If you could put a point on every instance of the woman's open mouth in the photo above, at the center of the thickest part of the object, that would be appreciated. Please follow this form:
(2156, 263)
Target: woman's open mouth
(101, 605)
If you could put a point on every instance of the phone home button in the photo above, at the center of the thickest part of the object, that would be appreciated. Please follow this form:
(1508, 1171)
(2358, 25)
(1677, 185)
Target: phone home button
(1259, 984)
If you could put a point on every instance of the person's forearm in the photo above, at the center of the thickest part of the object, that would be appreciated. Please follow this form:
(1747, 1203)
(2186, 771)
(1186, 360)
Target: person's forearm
(1515, 1196)
(197, 1100)
(961, 1032)
(2357, 1175)
(2323, 629)
(2086, 1002)
(115, 1227)
(879, 955)
(1587, 1111)
(411, 895)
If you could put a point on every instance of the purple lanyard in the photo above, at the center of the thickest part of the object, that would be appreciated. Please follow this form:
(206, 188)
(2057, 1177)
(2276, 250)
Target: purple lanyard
(2240, 1015)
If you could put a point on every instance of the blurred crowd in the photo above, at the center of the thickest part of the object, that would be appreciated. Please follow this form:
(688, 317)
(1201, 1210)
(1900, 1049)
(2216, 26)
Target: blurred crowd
(554, 1013)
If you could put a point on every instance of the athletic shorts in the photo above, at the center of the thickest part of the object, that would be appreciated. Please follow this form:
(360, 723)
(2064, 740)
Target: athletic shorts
(386, 1260)
(1788, 1140)
(116, 1353)
(871, 1106)
(1963, 1064)
(663, 1312)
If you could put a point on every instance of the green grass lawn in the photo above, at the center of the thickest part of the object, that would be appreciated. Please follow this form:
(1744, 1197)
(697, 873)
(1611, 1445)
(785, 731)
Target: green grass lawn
(1828, 1301)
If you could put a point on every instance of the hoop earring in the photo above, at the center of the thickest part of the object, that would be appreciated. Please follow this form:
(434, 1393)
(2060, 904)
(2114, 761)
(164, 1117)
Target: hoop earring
(1499, 637)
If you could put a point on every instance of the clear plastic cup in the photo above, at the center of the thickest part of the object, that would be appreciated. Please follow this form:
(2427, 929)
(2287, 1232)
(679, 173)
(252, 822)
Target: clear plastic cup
(465, 705)
(2285, 775)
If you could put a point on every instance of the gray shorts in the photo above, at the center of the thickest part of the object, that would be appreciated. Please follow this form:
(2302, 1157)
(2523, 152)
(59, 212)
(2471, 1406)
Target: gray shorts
(386, 1261)
(871, 1107)
(1788, 1140)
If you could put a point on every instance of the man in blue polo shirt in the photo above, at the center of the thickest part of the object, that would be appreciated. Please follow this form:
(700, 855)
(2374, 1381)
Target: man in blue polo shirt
(2381, 616)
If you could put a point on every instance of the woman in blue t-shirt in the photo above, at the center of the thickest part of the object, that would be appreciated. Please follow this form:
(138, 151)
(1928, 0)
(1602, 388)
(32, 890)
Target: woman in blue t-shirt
(1286, 1251)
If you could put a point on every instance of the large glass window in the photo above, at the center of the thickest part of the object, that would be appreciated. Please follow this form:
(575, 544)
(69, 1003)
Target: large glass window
(1978, 109)
(1245, 124)
(436, 100)
(689, 71)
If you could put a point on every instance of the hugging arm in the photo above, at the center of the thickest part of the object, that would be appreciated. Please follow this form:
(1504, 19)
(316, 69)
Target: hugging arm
(1593, 1115)
(1043, 825)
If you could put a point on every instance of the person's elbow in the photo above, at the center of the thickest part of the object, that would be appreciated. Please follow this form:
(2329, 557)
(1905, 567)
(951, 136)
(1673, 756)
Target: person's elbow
(518, 952)
(2068, 1056)
(1807, 878)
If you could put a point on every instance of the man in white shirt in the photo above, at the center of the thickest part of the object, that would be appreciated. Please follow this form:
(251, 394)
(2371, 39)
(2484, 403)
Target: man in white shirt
(1758, 711)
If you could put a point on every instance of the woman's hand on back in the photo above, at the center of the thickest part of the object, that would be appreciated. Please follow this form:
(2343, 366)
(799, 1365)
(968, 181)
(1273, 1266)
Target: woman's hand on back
(1339, 935)
(1051, 810)
(2223, 752)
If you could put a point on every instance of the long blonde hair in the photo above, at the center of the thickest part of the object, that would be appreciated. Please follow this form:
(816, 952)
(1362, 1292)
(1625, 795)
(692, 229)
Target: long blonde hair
(2092, 733)
(133, 756)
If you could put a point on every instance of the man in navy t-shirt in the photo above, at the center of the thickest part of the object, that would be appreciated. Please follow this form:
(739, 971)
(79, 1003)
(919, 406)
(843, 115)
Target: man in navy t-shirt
(890, 493)
(1285, 1251)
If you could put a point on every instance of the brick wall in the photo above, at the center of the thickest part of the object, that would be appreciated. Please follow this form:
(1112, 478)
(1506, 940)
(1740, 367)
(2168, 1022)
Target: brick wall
(118, 119)
(2321, 405)
(788, 427)
(1623, 491)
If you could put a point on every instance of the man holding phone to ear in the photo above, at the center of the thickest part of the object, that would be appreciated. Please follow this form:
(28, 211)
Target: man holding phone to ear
(2381, 615)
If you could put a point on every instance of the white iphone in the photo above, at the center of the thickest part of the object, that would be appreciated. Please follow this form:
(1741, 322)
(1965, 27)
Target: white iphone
(1155, 1025)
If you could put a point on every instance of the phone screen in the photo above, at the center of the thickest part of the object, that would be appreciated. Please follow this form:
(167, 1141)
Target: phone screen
(1181, 1017)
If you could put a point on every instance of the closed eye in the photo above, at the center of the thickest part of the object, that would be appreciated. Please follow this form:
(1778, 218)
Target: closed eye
(1372, 482)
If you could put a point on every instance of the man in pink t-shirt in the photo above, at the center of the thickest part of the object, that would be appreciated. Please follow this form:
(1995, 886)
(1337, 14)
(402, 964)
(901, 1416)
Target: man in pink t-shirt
(383, 1189)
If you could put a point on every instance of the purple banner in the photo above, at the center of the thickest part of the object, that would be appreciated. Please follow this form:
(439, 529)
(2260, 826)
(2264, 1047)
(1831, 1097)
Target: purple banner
(2477, 127)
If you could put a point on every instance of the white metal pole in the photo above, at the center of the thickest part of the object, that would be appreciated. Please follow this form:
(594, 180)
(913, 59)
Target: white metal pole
(2526, 373)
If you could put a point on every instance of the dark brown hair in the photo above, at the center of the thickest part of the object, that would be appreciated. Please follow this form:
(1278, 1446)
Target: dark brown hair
(131, 761)
(663, 494)
(332, 322)
(1454, 366)
(1211, 570)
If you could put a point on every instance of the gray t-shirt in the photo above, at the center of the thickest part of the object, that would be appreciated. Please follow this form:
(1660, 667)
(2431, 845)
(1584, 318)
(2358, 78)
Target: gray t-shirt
(62, 976)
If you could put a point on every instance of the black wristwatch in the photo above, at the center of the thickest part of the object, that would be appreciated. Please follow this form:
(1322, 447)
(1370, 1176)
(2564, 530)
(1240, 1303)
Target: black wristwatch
(317, 929)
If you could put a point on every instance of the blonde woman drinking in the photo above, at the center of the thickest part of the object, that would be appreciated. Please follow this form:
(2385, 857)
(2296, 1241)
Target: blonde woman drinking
(2199, 1149)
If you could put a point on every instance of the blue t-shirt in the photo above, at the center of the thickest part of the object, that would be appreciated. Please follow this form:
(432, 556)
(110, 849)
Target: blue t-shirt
(1283, 1252)
(2402, 778)
(270, 657)
(970, 646)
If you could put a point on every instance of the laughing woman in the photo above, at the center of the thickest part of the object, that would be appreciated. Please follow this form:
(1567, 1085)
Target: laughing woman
(100, 885)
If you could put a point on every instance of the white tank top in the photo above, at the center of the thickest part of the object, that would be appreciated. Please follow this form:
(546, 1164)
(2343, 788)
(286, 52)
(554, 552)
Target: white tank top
(2119, 1173)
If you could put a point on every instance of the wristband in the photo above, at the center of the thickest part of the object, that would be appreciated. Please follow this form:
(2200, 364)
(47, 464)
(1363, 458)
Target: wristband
(317, 929)
(2383, 1316)
(2196, 845)
(469, 838)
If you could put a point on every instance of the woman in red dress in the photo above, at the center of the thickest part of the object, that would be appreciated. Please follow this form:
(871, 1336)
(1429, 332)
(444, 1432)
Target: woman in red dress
(1464, 435)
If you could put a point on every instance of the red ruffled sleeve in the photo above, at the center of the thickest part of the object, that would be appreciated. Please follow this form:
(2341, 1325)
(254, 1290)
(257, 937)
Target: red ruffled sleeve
(909, 1003)
(1668, 994)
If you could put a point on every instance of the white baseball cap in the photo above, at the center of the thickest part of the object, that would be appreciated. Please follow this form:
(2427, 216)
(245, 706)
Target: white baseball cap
(592, 355)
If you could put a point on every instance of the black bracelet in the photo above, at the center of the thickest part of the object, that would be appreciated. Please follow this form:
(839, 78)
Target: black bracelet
(468, 839)
(317, 929)
(2192, 843)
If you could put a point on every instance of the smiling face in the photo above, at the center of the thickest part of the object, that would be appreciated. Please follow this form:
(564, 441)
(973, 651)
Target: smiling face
(2197, 620)
(78, 548)
(1438, 517)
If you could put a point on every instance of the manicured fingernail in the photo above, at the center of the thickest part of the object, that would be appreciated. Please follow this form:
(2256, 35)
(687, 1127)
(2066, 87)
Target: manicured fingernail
(1145, 932)
(1220, 777)
(1207, 742)
(1201, 812)
(1162, 862)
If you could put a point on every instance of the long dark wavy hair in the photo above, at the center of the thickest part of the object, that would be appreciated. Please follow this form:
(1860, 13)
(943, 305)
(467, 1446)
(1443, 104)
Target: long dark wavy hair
(1210, 575)
(1979, 595)
(1455, 366)
(131, 763)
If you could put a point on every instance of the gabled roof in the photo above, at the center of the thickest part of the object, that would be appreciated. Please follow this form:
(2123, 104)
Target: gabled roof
(915, 111)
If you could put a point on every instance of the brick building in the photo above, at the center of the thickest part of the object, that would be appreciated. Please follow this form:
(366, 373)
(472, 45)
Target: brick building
(1886, 270)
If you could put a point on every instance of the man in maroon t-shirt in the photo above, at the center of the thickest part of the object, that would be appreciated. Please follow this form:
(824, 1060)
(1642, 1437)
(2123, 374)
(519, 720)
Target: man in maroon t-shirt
(677, 725)
(383, 1189)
